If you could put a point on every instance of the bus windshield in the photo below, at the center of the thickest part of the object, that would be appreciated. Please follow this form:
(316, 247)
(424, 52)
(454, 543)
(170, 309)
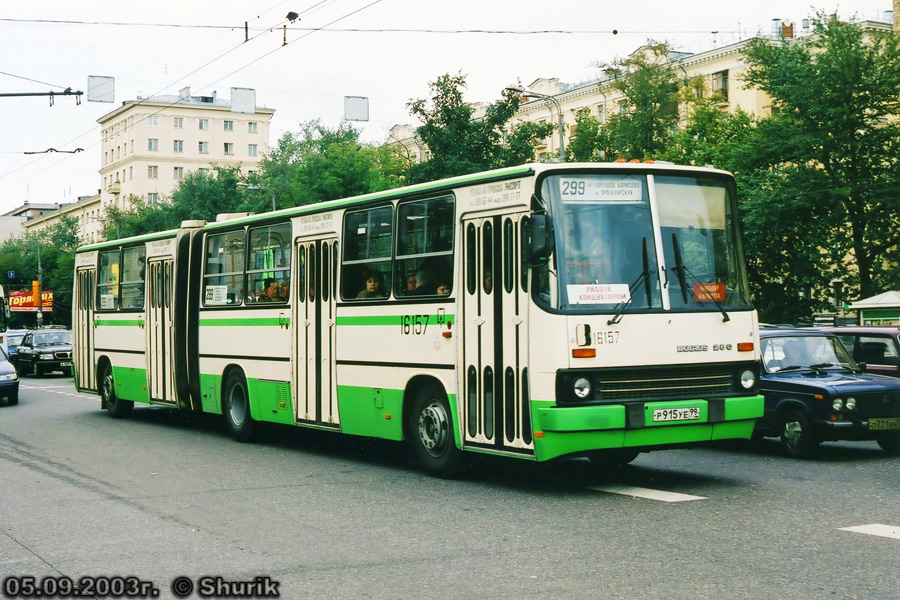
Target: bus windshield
(642, 243)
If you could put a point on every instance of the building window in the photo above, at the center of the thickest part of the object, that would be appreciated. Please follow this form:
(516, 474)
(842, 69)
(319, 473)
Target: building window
(152, 198)
(601, 113)
(152, 172)
(179, 173)
(252, 127)
(229, 148)
(720, 84)
(153, 121)
(229, 125)
(130, 173)
(203, 147)
(152, 144)
(204, 124)
(251, 150)
(179, 146)
(178, 122)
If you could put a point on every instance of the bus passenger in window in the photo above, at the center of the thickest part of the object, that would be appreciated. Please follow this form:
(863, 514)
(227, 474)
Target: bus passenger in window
(374, 286)
(442, 288)
(411, 283)
(285, 289)
(270, 292)
(488, 281)
(424, 283)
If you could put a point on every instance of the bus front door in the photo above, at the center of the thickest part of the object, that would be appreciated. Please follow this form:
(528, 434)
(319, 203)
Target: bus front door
(160, 344)
(495, 405)
(84, 330)
(315, 389)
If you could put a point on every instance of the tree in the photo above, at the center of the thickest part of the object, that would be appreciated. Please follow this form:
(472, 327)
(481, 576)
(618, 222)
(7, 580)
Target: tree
(137, 218)
(833, 138)
(460, 143)
(649, 112)
(319, 164)
(591, 141)
(56, 247)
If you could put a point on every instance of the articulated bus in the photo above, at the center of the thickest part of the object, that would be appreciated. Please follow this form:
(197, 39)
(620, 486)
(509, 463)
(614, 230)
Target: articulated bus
(541, 311)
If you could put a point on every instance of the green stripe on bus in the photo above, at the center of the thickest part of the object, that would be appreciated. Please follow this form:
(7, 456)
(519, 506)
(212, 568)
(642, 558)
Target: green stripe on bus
(119, 323)
(243, 322)
(388, 319)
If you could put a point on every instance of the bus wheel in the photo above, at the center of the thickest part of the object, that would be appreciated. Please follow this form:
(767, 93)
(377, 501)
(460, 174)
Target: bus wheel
(236, 406)
(115, 406)
(432, 433)
(889, 442)
(798, 440)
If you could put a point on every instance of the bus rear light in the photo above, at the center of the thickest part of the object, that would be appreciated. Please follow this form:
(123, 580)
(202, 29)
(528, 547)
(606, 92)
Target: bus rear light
(745, 346)
(538, 434)
(584, 352)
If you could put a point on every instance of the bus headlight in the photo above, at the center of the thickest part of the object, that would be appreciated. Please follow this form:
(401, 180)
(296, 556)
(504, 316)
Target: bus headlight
(748, 379)
(837, 404)
(582, 387)
(850, 403)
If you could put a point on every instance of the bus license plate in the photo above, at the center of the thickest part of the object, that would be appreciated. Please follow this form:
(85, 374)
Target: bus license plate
(884, 423)
(676, 414)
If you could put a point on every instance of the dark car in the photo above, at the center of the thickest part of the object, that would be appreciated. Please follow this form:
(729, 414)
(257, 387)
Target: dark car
(815, 392)
(876, 346)
(43, 351)
(9, 380)
(13, 339)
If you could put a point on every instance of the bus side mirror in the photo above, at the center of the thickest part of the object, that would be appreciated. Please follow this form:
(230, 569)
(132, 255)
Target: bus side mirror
(540, 240)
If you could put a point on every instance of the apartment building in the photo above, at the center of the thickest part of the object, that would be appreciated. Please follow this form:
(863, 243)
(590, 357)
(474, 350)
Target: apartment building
(721, 69)
(150, 144)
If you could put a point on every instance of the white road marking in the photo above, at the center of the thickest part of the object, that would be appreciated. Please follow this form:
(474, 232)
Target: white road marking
(887, 531)
(639, 492)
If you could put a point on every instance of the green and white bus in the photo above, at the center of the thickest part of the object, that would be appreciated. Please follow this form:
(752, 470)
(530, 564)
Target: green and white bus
(537, 312)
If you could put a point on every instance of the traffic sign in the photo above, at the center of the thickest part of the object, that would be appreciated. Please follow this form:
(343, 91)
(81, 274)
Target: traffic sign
(10, 274)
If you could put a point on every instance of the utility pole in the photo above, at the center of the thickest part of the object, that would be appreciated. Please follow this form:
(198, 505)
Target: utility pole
(39, 301)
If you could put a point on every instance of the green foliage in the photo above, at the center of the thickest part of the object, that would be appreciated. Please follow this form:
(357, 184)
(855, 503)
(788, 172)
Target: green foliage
(319, 164)
(834, 139)
(55, 247)
(643, 127)
(206, 194)
(137, 218)
(459, 143)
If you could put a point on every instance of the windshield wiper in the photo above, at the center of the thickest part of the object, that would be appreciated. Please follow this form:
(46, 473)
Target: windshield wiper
(645, 277)
(680, 269)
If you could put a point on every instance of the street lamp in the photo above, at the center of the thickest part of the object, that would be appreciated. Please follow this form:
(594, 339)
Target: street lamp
(258, 188)
(562, 124)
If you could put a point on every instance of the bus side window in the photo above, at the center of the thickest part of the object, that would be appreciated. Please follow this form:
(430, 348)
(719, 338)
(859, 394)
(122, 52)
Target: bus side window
(133, 274)
(366, 262)
(108, 281)
(425, 246)
(224, 270)
(269, 266)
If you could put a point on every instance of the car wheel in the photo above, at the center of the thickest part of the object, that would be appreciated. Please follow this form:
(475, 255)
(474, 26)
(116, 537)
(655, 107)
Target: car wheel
(889, 442)
(236, 406)
(431, 428)
(13, 399)
(798, 440)
(115, 406)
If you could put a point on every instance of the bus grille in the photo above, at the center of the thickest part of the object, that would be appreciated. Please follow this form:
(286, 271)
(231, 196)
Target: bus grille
(667, 382)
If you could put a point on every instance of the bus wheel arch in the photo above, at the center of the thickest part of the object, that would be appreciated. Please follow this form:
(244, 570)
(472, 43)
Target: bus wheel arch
(236, 405)
(429, 427)
(115, 406)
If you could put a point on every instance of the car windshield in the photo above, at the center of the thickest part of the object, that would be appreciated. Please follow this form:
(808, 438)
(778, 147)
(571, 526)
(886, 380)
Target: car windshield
(796, 352)
(54, 337)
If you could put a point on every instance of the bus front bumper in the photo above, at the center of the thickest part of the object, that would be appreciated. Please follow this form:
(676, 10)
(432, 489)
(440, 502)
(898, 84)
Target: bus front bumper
(561, 431)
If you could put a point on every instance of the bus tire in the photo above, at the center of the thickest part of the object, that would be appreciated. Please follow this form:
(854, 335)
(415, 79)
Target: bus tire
(431, 429)
(613, 458)
(115, 406)
(236, 408)
(798, 438)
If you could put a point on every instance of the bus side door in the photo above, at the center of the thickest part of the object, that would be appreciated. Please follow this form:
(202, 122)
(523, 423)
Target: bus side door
(495, 335)
(160, 343)
(83, 330)
(314, 384)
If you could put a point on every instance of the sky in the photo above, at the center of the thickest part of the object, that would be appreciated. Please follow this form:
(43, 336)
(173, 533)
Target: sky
(385, 50)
